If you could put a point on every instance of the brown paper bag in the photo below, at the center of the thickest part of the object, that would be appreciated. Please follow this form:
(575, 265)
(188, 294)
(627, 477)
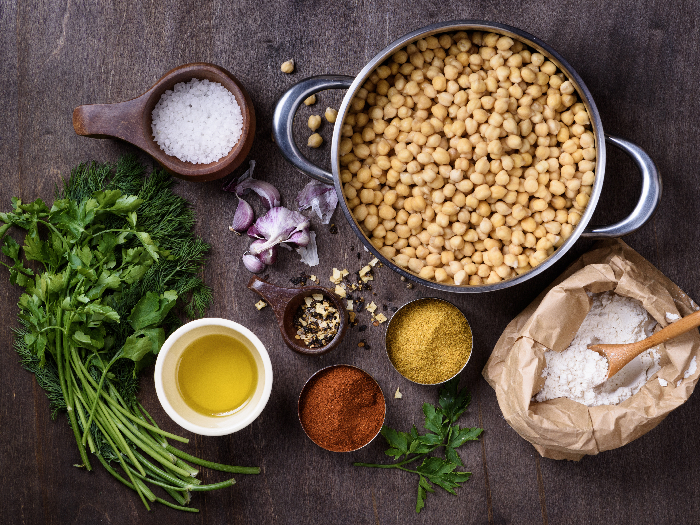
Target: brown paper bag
(562, 428)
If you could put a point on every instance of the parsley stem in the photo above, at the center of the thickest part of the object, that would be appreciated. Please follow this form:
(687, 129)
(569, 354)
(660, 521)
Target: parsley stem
(209, 464)
(397, 465)
(61, 362)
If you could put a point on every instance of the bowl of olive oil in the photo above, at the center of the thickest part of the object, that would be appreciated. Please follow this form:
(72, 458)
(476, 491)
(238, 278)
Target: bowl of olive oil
(213, 377)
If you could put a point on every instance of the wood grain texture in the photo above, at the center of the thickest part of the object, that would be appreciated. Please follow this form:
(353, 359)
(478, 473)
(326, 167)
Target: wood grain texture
(639, 59)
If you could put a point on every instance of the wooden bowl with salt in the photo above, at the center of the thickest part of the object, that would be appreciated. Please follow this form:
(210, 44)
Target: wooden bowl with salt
(131, 121)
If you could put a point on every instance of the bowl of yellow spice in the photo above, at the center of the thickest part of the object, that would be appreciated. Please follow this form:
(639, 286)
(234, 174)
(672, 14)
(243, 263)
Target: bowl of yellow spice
(429, 341)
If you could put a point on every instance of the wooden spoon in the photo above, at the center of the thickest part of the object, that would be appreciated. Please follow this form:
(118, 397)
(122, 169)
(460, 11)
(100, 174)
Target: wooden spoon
(619, 355)
(131, 121)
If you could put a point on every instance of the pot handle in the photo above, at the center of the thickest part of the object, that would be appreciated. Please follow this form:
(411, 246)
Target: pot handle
(648, 200)
(283, 119)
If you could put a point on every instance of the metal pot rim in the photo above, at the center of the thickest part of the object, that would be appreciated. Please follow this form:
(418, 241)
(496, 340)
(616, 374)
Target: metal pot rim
(531, 41)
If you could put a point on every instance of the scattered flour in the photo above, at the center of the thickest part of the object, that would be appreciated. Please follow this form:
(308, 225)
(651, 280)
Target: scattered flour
(692, 368)
(577, 373)
(198, 121)
(671, 317)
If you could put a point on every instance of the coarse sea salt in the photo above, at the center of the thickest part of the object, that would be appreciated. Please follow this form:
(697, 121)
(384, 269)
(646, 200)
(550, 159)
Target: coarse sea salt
(579, 373)
(197, 121)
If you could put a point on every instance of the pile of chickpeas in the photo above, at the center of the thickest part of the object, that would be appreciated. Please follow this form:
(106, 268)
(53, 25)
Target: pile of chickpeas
(467, 158)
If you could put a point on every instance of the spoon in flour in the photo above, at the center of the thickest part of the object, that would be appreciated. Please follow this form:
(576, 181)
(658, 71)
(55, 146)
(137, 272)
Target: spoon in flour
(619, 355)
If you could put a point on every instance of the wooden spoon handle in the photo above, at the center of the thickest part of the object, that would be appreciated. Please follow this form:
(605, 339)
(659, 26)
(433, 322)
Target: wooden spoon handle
(122, 120)
(675, 329)
(276, 296)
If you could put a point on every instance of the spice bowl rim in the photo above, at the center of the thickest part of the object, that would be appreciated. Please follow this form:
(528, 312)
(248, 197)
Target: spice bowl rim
(388, 327)
(236, 421)
(325, 369)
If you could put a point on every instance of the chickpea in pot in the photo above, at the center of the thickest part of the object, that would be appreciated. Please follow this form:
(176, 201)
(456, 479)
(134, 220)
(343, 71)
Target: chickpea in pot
(467, 158)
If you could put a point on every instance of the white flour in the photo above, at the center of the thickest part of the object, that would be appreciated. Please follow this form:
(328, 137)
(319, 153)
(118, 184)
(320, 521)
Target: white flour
(575, 372)
(692, 368)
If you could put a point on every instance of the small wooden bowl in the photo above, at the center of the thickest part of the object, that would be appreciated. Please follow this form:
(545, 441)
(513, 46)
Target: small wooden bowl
(131, 121)
(285, 301)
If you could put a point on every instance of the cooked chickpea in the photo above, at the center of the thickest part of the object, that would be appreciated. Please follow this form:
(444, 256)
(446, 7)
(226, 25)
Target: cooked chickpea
(468, 160)
(287, 67)
(331, 115)
(314, 122)
(315, 141)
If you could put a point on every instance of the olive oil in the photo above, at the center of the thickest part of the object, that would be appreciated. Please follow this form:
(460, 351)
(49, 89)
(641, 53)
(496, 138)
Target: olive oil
(217, 375)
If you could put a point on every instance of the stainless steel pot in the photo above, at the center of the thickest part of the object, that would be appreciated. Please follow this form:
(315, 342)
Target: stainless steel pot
(290, 101)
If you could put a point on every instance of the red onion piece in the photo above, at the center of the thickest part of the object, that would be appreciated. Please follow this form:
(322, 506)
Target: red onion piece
(267, 257)
(243, 217)
(277, 226)
(252, 263)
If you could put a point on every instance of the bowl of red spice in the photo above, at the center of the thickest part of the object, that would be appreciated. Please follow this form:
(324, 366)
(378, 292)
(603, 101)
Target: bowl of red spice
(341, 408)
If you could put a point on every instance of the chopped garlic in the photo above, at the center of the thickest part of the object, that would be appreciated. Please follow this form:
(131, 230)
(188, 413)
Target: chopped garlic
(340, 291)
(349, 307)
(373, 262)
(381, 318)
(317, 296)
(308, 301)
(371, 307)
(260, 304)
(398, 395)
(336, 277)
(364, 270)
(314, 278)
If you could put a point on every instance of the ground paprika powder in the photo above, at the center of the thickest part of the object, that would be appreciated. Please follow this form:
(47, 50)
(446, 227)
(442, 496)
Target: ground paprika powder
(341, 408)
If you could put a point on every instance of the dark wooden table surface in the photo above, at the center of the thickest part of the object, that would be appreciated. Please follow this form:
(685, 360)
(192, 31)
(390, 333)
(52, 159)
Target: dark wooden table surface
(640, 61)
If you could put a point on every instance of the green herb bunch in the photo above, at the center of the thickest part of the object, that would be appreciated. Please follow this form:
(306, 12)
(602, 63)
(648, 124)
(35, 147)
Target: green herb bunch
(442, 432)
(116, 253)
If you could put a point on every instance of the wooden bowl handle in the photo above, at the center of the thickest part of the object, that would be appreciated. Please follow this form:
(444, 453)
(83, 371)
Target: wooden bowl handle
(122, 120)
(276, 296)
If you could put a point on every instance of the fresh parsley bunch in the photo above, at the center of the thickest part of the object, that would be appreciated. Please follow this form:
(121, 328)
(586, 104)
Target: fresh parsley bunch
(110, 259)
(442, 432)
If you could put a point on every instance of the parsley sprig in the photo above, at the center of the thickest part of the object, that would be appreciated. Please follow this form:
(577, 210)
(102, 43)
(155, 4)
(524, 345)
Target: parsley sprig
(442, 431)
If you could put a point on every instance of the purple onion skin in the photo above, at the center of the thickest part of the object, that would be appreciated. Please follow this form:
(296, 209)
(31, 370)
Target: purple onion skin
(268, 256)
(300, 238)
(269, 195)
(277, 226)
(243, 218)
(252, 263)
(319, 196)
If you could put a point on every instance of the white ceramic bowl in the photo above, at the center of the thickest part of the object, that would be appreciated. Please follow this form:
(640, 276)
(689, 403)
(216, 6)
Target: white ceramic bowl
(166, 378)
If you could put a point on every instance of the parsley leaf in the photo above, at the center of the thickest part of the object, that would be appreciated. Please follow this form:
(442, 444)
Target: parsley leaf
(442, 431)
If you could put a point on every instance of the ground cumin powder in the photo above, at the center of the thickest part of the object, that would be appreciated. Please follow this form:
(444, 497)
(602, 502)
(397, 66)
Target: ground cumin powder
(342, 408)
(429, 341)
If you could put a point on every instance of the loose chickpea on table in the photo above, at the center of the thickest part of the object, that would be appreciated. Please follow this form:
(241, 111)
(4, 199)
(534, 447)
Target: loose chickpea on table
(467, 158)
